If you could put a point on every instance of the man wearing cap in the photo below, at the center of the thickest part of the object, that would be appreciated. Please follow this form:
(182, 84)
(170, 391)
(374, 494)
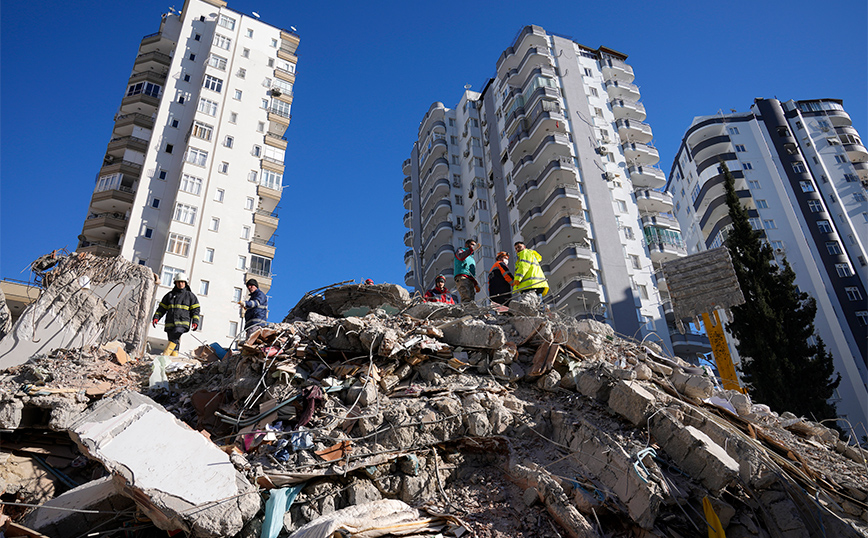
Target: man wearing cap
(500, 280)
(439, 293)
(529, 275)
(256, 308)
(181, 308)
(464, 269)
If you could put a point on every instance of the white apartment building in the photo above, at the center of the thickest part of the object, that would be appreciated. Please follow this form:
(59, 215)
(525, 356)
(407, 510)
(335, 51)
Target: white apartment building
(194, 168)
(801, 170)
(553, 151)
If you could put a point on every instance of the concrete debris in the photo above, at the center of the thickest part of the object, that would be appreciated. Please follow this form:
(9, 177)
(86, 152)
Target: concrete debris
(5, 316)
(366, 411)
(89, 300)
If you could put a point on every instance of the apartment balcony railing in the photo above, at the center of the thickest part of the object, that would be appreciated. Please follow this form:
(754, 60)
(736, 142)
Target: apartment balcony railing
(280, 112)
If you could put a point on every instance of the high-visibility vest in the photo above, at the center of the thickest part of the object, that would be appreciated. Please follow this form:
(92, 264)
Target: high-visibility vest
(528, 272)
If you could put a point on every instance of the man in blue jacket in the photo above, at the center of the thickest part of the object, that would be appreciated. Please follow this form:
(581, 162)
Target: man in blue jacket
(256, 308)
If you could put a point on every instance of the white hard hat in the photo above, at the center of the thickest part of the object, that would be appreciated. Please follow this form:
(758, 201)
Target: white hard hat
(180, 277)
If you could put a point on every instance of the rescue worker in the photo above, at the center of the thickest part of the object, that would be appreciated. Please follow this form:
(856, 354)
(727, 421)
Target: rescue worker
(528, 272)
(464, 269)
(181, 308)
(256, 308)
(439, 293)
(500, 280)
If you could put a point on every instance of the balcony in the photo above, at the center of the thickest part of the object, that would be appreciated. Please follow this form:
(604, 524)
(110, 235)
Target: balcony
(439, 262)
(408, 184)
(262, 277)
(529, 36)
(616, 70)
(408, 219)
(118, 145)
(265, 223)
(276, 140)
(561, 200)
(663, 244)
(410, 279)
(435, 152)
(631, 110)
(553, 147)
(436, 113)
(148, 76)
(565, 228)
(654, 201)
(152, 61)
(439, 168)
(125, 123)
(622, 90)
(408, 256)
(634, 131)
(408, 239)
(408, 200)
(640, 153)
(557, 172)
(127, 168)
(117, 200)
(839, 118)
(572, 258)
(689, 345)
(861, 170)
(534, 58)
(442, 232)
(648, 177)
(440, 211)
(100, 225)
(100, 248)
(268, 197)
(263, 248)
(581, 290)
(661, 220)
(856, 152)
(140, 103)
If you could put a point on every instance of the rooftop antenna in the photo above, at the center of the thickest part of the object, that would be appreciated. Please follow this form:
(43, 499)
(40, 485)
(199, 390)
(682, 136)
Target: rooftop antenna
(173, 11)
(255, 14)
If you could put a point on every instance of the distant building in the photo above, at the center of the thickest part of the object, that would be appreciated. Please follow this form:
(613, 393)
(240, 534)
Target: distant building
(553, 151)
(801, 170)
(193, 171)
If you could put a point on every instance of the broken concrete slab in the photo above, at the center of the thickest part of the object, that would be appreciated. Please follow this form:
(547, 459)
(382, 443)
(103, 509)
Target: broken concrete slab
(5, 316)
(90, 300)
(67, 514)
(176, 476)
(360, 299)
(474, 333)
(632, 401)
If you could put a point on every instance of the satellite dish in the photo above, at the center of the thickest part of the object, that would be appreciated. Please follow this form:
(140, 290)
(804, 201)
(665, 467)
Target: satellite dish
(467, 86)
(293, 28)
(255, 14)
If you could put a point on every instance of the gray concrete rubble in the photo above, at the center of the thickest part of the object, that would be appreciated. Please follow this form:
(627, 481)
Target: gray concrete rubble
(88, 300)
(367, 409)
(5, 316)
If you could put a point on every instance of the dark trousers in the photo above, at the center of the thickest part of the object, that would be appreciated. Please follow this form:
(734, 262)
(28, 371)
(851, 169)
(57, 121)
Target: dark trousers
(174, 336)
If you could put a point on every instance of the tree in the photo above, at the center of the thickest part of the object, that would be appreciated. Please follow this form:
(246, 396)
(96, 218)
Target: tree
(782, 366)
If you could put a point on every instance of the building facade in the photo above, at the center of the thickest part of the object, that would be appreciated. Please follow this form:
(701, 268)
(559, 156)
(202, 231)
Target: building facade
(554, 151)
(801, 170)
(193, 171)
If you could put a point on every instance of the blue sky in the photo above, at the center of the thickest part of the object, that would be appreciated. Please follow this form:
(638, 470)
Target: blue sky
(367, 73)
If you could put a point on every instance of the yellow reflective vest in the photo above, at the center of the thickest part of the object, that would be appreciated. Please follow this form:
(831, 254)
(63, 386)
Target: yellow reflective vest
(528, 273)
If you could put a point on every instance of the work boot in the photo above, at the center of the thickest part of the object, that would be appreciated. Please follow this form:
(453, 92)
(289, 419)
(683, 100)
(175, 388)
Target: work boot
(174, 353)
(170, 349)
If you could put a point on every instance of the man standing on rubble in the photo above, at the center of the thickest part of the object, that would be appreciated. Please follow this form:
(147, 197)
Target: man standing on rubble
(439, 293)
(181, 308)
(500, 280)
(529, 275)
(256, 308)
(464, 271)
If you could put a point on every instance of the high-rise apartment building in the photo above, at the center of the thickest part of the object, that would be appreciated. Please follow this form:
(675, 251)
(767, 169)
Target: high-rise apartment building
(553, 151)
(193, 170)
(801, 170)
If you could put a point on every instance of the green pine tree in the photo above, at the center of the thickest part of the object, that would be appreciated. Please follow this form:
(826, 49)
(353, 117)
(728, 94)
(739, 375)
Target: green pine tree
(780, 368)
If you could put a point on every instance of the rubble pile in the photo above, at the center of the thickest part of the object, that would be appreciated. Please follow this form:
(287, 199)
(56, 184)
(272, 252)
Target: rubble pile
(368, 413)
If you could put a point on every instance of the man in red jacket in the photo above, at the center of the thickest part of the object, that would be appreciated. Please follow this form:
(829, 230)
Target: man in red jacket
(439, 293)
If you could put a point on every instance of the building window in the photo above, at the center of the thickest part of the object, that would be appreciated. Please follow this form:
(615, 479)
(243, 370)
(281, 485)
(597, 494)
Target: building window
(162, 174)
(260, 127)
(850, 178)
(270, 179)
(746, 166)
(245, 232)
(753, 184)
(236, 294)
(197, 156)
(863, 317)
(840, 159)
(237, 95)
(280, 108)
(218, 196)
(252, 176)
(228, 141)
(155, 203)
(206, 106)
(756, 223)
(634, 261)
(217, 62)
(273, 43)
(215, 224)
(824, 226)
(226, 22)
(233, 328)
(242, 73)
(222, 42)
(192, 57)
(248, 205)
(223, 168)
(249, 32)
(799, 167)
(233, 117)
(257, 151)
(733, 130)
(204, 285)
(146, 88)
(769, 224)
(169, 148)
(459, 199)
(175, 123)
(628, 232)
(149, 233)
(260, 266)
(815, 206)
(209, 255)
(858, 197)
(643, 291)
(245, 53)
(213, 83)
(762, 204)
(167, 277)
(843, 269)
(197, 37)
(778, 245)
(739, 148)
(594, 92)
(242, 263)
(806, 186)
(178, 244)
(185, 213)
(833, 247)
(202, 130)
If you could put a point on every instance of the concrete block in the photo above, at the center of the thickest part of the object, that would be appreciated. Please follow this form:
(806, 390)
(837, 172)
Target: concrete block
(692, 385)
(175, 475)
(100, 494)
(594, 383)
(360, 299)
(718, 469)
(525, 326)
(632, 402)
(362, 491)
(474, 333)
(643, 372)
(549, 382)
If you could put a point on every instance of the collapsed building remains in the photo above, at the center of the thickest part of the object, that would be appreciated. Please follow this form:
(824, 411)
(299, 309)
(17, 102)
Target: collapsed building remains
(370, 413)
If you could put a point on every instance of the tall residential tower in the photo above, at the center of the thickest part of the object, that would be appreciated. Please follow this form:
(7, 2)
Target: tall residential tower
(193, 170)
(553, 151)
(801, 170)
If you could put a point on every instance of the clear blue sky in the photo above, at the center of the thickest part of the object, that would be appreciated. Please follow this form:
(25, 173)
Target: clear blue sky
(367, 73)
